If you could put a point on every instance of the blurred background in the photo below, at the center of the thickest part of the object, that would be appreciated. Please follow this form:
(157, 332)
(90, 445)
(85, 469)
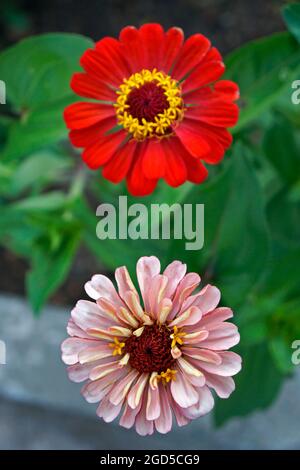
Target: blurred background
(40, 409)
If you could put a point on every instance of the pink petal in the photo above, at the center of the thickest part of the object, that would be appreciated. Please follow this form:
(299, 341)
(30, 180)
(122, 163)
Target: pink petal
(207, 299)
(224, 337)
(153, 404)
(188, 317)
(94, 392)
(133, 302)
(183, 392)
(147, 267)
(74, 330)
(142, 425)
(103, 369)
(88, 315)
(90, 354)
(128, 418)
(107, 411)
(71, 347)
(178, 412)
(163, 423)
(204, 405)
(121, 389)
(196, 337)
(184, 289)
(202, 354)
(230, 365)
(175, 273)
(215, 317)
(124, 281)
(223, 386)
(101, 286)
(80, 372)
(156, 293)
(136, 392)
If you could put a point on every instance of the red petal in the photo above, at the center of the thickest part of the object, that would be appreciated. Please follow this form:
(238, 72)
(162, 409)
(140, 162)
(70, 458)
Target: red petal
(217, 141)
(137, 183)
(97, 66)
(84, 85)
(192, 141)
(89, 135)
(152, 36)
(118, 166)
(192, 52)
(154, 159)
(204, 74)
(176, 172)
(79, 115)
(214, 54)
(228, 89)
(131, 42)
(111, 50)
(195, 170)
(222, 135)
(173, 42)
(216, 112)
(99, 153)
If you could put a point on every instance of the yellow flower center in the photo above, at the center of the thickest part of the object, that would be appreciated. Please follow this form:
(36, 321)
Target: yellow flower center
(117, 347)
(167, 376)
(149, 104)
(176, 337)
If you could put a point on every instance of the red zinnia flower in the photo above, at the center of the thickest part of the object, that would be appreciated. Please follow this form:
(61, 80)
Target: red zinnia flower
(159, 110)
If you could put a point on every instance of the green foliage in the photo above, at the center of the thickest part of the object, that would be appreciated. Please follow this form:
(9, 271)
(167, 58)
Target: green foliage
(252, 201)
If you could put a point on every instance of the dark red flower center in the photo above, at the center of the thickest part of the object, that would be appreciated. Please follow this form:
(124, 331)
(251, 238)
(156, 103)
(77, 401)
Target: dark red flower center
(151, 352)
(147, 101)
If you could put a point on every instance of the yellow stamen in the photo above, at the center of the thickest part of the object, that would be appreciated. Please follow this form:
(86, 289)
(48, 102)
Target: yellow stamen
(177, 336)
(167, 376)
(163, 121)
(117, 346)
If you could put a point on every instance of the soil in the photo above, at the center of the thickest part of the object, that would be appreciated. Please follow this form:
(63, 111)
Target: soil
(227, 23)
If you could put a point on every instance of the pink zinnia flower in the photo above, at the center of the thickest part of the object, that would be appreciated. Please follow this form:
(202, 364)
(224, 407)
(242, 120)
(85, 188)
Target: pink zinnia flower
(155, 359)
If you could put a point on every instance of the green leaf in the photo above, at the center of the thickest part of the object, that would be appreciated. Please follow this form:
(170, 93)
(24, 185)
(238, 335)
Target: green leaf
(49, 269)
(39, 89)
(291, 15)
(112, 252)
(283, 216)
(281, 149)
(263, 69)
(281, 353)
(236, 246)
(283, 271)
(50, 201)
(257, 385)
(39, 169)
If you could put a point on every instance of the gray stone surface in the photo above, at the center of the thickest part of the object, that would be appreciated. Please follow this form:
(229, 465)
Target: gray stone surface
(41, 409)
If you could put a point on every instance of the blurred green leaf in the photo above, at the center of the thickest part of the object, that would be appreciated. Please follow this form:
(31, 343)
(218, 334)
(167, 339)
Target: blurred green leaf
(49, 269)
(114, 253)
(38, 90)
(257, 385)
(283, 217)
(37, 170)
(236, 246)
(281, 353)
(291, 15)
(283, 272)
(50, 201)
(263, 69)
(281, 149)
